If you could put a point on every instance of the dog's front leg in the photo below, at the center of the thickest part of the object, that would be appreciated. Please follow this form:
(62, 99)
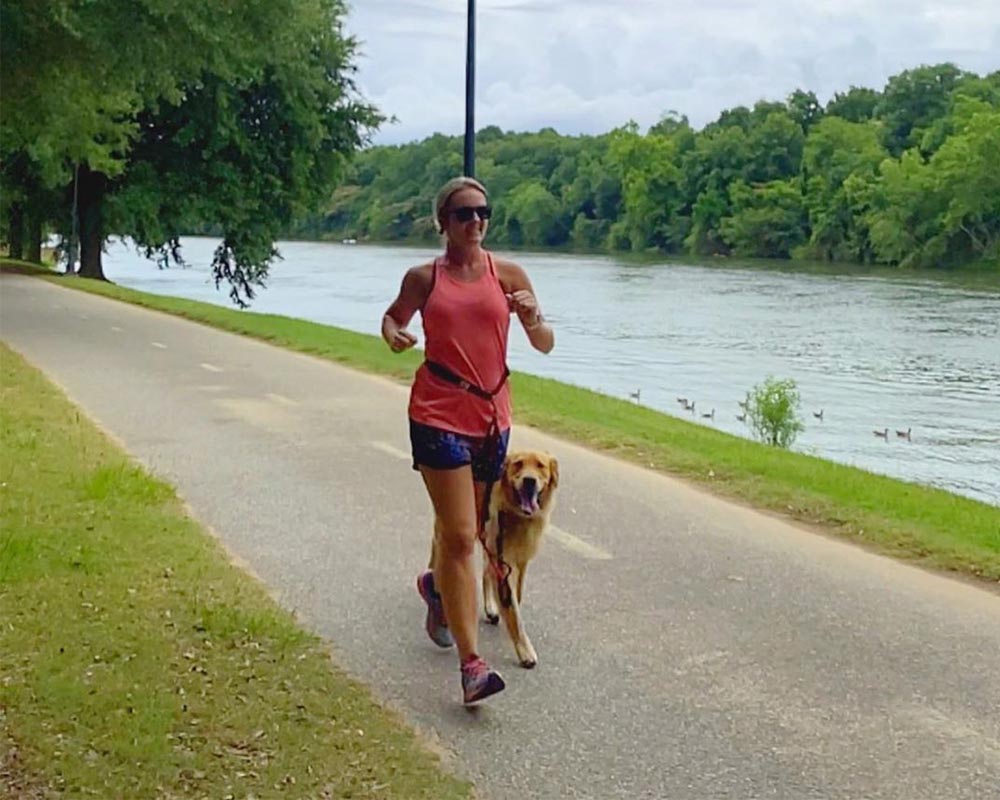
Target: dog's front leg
(491, 598)
(491, 601)
(511, 614)
(432, 564)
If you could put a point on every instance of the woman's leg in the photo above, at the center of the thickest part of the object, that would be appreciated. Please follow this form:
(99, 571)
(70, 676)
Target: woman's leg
(454, 495)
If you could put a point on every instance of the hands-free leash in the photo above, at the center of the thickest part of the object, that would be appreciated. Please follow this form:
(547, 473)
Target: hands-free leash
(501, 569)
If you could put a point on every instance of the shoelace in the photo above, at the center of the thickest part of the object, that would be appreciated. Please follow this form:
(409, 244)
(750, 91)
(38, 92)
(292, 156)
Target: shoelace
(475, 669)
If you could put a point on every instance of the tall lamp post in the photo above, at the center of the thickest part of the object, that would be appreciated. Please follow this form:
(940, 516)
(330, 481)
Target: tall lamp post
(470, 92)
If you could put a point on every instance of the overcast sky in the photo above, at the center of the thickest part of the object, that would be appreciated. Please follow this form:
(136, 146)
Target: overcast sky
(586, 66)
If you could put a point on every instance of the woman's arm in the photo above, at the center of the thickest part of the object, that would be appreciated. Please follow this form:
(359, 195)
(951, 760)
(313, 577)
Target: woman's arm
(412, 295)
(523, 302)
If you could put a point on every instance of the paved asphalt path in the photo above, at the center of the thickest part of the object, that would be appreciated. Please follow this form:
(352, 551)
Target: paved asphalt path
(689, 647)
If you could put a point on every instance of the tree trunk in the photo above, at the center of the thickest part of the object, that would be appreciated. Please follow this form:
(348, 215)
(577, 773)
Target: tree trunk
(91, 199)
(15, 237)
(34, 244)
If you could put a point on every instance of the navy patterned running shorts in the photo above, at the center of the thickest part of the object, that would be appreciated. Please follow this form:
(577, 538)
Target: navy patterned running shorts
(440, 449)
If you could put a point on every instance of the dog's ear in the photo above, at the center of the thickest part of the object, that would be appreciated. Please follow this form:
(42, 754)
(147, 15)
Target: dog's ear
(553, 472)
(505, 472)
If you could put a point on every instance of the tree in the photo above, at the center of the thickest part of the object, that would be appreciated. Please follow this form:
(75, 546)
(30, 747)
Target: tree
(737, 117)
(674, 125)
(774, 148)
(965, 176)
(651, 189)
(588, 233)
(719, 157)
(212, 124)
(76, 104)
(913, 101)
(804, 108)
(767, 221)
(836, 150)
(707, 215)
(905, 212)
(946, 210)
(857, 104)
(985, 91)
(533, 215)
(594, 198)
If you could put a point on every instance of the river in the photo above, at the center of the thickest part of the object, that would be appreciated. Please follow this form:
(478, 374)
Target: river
(871, 351)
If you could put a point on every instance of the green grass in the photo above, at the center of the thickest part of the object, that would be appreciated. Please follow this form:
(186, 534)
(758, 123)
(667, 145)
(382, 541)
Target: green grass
(25, 267)
(932, 527)
(137, 662)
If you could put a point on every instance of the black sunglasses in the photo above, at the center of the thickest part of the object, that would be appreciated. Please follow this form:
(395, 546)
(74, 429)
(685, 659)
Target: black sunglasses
(464, 213)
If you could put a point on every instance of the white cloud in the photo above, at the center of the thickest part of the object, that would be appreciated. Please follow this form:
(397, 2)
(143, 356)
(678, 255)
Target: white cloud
(585, 66)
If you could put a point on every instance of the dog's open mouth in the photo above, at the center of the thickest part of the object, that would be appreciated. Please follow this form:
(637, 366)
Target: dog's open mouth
(528, 497)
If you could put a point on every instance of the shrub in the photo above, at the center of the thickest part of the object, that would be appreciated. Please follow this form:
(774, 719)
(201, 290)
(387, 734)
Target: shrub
(772, 411)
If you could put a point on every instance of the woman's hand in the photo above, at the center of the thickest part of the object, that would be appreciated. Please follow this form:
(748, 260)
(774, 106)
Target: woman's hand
(402, 340)
(524, 303)
(396, 335)
(412, 296)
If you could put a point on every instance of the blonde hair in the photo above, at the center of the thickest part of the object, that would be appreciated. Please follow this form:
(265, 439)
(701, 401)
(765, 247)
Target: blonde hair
(445, 193)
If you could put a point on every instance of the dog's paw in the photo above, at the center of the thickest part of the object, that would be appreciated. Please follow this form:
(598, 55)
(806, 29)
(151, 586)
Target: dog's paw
(526, 655)
(493, 619)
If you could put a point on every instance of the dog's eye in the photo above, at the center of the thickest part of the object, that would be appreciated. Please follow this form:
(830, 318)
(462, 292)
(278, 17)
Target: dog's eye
(518, 465)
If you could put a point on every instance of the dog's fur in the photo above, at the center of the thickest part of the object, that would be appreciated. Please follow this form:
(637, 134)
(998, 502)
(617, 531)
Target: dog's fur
(520, 504)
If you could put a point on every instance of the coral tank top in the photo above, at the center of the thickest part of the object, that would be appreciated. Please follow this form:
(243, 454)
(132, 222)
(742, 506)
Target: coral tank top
(465, 330)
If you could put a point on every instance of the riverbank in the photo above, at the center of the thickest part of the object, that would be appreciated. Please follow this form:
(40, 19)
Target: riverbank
(928, 526)
(137, 661)
(975, 275)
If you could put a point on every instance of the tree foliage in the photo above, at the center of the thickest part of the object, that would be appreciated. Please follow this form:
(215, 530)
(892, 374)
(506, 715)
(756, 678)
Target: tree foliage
(171, 116)
(903, 176)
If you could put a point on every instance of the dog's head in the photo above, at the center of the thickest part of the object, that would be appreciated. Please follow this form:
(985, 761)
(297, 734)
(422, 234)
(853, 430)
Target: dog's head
(529, 482)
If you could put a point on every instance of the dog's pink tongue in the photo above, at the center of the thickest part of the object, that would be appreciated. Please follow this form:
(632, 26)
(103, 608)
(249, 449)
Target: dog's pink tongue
(529, 500)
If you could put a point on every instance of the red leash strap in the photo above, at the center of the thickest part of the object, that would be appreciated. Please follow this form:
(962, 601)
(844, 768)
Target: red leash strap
(501, 569)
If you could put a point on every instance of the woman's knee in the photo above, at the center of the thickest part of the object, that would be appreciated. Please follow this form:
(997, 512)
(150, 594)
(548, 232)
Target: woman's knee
(456, 542)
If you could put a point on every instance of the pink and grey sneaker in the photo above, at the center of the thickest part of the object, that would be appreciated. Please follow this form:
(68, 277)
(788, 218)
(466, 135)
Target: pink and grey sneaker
(436, 625)
(479, 681)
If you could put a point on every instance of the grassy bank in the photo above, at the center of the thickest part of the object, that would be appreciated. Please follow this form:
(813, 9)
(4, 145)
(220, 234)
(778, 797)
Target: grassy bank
(136, 661)
(929, 526)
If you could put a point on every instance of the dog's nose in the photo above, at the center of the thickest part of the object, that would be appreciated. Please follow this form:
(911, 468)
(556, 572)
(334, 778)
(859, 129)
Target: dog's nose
(529, 484)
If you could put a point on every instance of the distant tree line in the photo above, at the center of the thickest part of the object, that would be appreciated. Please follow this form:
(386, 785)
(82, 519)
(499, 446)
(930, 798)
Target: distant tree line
(906, 176)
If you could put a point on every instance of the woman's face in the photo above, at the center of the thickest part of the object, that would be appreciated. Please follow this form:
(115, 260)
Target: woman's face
(472, 231)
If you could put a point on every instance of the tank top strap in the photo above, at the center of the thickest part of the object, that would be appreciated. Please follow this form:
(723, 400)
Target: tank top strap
(491, 265)
(435, 266)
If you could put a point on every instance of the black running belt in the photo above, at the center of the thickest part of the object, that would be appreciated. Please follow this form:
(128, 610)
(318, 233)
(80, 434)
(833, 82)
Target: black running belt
(445, 374)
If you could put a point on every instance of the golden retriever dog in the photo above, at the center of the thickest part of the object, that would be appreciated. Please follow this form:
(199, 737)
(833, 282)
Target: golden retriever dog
(520, 505)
